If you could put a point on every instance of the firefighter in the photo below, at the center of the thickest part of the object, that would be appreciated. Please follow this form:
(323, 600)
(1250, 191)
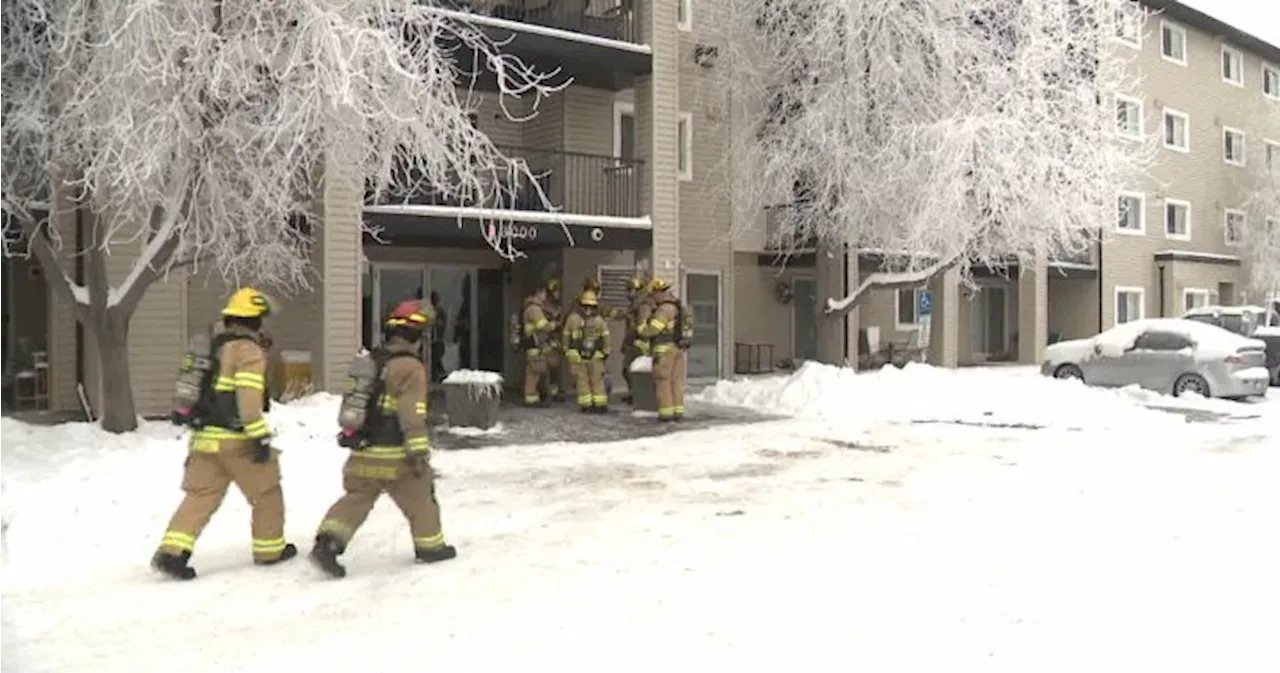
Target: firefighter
(555, 359)
(634, 345)
(393, 453)
(669, 330)
(586, 345)
(230, 442)
(537, 338)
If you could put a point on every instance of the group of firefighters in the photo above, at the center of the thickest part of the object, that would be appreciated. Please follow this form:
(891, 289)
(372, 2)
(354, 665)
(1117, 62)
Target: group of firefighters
(221, 397)
(657, 326)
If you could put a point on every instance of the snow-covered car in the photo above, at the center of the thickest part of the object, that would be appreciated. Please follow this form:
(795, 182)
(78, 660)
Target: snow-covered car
(1167, 355)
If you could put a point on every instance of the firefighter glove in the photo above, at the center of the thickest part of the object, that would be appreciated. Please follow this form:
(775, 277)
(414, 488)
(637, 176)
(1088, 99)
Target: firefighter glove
(261, 450)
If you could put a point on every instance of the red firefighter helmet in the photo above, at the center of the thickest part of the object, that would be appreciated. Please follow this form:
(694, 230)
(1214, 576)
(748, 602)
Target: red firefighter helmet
(409, 313)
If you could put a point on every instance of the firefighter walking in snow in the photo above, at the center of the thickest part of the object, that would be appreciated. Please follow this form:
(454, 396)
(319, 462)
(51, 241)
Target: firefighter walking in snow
(586, 345)
(384, 423)
(221, 397)
(670, 332)
(538, 338)
(555, 359)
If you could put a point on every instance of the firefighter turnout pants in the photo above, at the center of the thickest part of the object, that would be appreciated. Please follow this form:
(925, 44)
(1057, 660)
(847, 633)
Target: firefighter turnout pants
(212, 466)
(535, 367)
(588, 380)
(670, 370)
(365, 479)
(555, 372)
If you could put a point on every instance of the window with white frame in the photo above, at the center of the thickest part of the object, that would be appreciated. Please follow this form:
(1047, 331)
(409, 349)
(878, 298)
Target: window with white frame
(684, 14)
(1131, 211)
(1129, 27)
(1130, 304)
(1233, 146)
(906, 316)
(624, 131)
(1173, 43)
(684, 135)
(1129, 117)
(1194, 297)
(1232, 66)
(1177, 130)
(1233, 224)
(1177, 219)
(1271, 155)
(1271, 81)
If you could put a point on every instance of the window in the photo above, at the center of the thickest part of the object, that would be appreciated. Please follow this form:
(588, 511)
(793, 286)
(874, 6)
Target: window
(1271, 154)
(1232, 66)
(1177, 130)
(684, 135)
(1233, 226)
(1177, 219)
(1129, 117)
(1271, 81)
(1130, 304)
(1233, 146)
(684, 15)
(1173, 43)
(908, 301)
(624, 131)
(1132, 213)
(1194, 298)
(1161, 341)
(1129, 27)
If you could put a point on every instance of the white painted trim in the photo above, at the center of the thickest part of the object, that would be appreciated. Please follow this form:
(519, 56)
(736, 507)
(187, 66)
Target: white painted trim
(501, 214)
(1137, 23)
(534, 29)
(620, 109)
(1186, 119)
(1186, 46)
(915, 305)
(1195, 291)
(1275, 70)
(1121, 98)
(1244, 225)
(1164, 219)
(1115, 301)
(1142, 213)
(687, 7)
(1244, 146)
(686, 146)
(720, 331)
(1239, 63)
(1202, 255)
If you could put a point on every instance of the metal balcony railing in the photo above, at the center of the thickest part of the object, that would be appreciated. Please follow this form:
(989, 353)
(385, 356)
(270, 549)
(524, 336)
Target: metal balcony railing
(583, 184)
(612, 19)
(1087, 256)
(780, 229)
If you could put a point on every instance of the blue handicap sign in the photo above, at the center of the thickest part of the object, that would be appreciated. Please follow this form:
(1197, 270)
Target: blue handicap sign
(924, 304)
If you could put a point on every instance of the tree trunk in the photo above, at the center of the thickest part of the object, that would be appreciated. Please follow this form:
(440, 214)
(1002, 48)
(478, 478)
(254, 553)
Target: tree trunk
(110, 330)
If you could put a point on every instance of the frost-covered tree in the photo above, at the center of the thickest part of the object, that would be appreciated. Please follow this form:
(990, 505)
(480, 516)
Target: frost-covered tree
(1261, 236)
(945, 133)
(197, 132)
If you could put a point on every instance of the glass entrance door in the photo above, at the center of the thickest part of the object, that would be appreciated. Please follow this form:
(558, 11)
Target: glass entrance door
(392, 284)
(450, 291)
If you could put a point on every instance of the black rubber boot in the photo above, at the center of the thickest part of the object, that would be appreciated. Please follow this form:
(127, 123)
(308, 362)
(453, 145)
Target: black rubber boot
(325, 555)
(626, 399)
(174, 566)
(586, 409)
(289, 552)
(604, 409)
(435, 554)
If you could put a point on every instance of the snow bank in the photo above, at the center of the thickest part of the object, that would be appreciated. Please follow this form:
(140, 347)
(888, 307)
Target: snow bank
(983, 395)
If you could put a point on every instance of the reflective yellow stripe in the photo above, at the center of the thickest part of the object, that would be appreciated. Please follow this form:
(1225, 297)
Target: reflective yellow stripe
(429, 541)
(389, 403)
(224, 384)
(250, 380)
(339, 529)
(416, 444)
(272, 546)
(663, 348)
(666, 411)
(257, 429)
(658, 324)
(179, 540)
(420, 408)
(216, 433)
(541, 324)
(383, 452)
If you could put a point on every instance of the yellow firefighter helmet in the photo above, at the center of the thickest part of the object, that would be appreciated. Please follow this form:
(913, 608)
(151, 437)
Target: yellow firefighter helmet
(636, 283)
(591, 283)
(553, 285)
(247, 303)
(589, 298)
(659, 284)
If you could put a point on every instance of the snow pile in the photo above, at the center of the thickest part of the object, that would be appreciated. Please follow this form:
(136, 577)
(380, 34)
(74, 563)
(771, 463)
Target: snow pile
(921, 393)
(468, 431)
(474, 377)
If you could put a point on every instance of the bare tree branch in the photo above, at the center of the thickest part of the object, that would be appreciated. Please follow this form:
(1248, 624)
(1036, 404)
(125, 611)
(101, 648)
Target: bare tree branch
(889, 280)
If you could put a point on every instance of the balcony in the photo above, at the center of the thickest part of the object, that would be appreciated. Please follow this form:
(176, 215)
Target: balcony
(576, 185)
(608, 57)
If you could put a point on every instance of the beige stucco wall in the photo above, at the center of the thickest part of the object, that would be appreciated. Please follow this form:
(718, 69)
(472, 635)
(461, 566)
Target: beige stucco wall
(1073, 306)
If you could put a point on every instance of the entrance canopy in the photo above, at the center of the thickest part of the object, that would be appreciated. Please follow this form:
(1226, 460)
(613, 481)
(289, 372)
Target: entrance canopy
(459, 227)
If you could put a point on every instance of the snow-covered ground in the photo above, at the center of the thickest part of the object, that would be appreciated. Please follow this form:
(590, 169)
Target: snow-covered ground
(913, 520)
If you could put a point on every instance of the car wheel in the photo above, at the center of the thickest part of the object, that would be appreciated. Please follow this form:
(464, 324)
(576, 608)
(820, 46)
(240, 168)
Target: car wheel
(1191, 383)
(1068, 372)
